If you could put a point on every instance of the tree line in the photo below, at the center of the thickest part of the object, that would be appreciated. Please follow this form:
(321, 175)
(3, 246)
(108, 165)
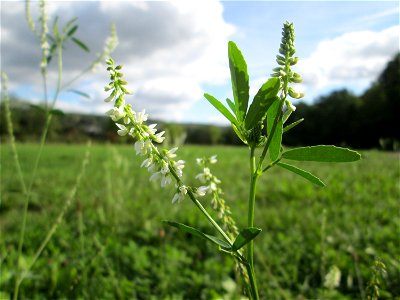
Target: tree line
(341, 118)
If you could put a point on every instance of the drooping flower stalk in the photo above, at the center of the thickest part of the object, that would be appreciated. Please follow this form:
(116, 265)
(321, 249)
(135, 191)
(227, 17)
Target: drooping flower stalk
(160, 163)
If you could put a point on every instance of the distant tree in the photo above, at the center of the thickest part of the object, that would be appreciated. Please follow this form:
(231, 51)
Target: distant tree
(345, 119)
(380, 106)
(215, 134)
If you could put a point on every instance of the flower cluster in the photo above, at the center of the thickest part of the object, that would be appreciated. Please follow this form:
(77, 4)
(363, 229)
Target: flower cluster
(160, 163)
(286, 60)
(211, 186)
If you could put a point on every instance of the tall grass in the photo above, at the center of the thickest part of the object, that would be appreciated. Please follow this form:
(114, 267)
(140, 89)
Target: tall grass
(50, 45)
(151, 261)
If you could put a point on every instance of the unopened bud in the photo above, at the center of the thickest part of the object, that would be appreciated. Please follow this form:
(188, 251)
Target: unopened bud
(294, 60)
(109, 61)
(294, 94)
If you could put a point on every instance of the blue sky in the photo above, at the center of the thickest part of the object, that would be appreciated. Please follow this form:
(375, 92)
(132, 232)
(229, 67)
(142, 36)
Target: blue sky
(173, 52)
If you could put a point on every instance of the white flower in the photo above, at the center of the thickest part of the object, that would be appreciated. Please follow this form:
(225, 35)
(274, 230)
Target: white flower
(164, 167)
(171, 153)
(141, 117)
(147, 162)
(127, 120)
(152, 128)
(199, 161)
(116, 113)
(212, 187)
(155, 176)
(201, 191)
(143, 147)
(180, 195)
(179, 165)
(165, 180)
(122, 129)
(110, 98)
(205, 176)
(213, 159)
(159, 138)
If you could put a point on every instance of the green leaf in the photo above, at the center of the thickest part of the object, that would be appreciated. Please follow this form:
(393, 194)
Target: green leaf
(37, 107)
(262, 101)
(231, 105)
(238, 133)
(80, 44)
(198, 233)
(72, 31)
(239, 79)
(305, 174)
(69, 24)
(322, 153)
(276, 141)
(56, 32)
(292, 125)
(56, 112)
(222, 109)
(244, 237)
(80, 93)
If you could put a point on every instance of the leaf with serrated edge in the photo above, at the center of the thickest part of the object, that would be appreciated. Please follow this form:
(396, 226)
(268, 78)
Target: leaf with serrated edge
(303, 173)
(292, 125)
(262, 101)
(244, 237)
(276, 141)
(239, 79)
(322, 153)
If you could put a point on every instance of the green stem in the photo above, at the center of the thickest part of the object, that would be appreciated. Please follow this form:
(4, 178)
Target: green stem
(194, 200)
(43, 138)
(250, 223)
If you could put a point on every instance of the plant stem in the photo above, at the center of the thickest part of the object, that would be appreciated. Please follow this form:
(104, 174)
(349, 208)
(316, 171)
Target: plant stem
(194, 200)
(43, 138)
(250, 223)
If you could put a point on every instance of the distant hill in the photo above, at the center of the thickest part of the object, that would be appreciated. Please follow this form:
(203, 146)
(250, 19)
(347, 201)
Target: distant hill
(340, 118)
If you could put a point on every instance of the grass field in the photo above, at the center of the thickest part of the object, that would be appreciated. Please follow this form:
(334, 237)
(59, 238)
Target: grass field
(112, 244)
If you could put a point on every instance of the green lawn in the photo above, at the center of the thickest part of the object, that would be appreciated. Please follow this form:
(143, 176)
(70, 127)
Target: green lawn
(112, 244)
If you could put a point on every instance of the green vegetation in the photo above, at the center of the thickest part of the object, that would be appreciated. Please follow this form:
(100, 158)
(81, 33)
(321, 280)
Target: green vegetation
(366, 121)
(112, 242)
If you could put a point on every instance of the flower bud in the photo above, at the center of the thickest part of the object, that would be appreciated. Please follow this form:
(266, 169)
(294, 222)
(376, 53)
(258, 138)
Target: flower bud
(294, 94)
(293, 60)
(109, 61)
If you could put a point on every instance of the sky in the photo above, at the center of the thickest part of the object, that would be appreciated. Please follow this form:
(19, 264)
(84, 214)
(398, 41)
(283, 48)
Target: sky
(173, 52)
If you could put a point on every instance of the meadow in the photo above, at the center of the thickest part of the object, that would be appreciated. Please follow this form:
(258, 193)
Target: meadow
(111, 242)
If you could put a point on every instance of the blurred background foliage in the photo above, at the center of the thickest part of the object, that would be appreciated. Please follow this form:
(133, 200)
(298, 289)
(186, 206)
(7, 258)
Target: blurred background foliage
(112, 243)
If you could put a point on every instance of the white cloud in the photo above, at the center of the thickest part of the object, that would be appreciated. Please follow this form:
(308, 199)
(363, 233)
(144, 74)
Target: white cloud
(354, 59)
(169, 49)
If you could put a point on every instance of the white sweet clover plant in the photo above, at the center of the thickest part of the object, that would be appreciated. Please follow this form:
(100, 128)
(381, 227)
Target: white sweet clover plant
(160, 163)
(258, 125)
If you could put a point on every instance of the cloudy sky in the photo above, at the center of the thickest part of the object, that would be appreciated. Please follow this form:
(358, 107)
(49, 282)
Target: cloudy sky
(174, 51)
